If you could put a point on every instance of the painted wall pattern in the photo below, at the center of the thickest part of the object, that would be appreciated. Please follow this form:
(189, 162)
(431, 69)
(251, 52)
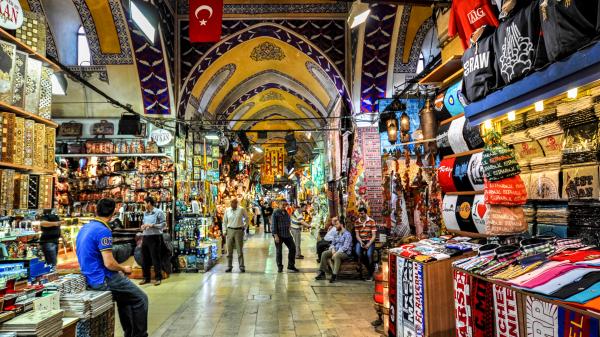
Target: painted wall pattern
(328, 35)
(416, 44)
(99, 58)
(253, 9)
(167, 27)
(376, 54)
(263, 31)
(36, 7)
(152, 72)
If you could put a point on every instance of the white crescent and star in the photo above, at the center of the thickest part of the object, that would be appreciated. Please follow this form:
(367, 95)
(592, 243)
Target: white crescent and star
(203, 8)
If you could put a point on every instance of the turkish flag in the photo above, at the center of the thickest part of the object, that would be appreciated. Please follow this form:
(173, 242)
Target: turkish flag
(206, 17)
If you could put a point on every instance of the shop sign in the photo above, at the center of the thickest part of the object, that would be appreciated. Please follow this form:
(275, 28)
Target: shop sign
(161, 137)
(11, 14)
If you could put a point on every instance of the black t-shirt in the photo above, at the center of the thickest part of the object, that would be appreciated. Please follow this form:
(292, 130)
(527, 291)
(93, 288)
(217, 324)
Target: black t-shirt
(50, 234)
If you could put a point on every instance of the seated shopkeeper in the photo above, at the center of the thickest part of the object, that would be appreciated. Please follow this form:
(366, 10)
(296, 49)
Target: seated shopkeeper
(102, 272)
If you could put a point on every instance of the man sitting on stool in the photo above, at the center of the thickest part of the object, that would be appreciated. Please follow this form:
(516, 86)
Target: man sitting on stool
(341, 248)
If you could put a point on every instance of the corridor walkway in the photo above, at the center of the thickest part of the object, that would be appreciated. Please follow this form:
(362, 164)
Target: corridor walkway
(262, 302)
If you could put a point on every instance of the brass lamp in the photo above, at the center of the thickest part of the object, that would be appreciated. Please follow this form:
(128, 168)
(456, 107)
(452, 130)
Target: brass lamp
(392, 129)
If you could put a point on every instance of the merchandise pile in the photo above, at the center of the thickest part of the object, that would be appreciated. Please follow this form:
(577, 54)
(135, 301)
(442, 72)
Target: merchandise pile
(36, 323)
(68, 284)
(87, 304)
(436, 249)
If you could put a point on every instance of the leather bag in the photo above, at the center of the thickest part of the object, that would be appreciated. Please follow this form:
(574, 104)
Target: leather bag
(70, 129)
(104, 128)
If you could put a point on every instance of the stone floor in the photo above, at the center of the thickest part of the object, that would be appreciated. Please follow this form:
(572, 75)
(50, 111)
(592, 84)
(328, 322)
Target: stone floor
(260, 302)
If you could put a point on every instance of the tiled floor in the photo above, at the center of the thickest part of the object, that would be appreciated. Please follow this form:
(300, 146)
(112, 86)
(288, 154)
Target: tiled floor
(260, 302)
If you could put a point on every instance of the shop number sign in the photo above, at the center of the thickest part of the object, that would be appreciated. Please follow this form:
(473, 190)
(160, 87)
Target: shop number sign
(11, 14)
(161, 137)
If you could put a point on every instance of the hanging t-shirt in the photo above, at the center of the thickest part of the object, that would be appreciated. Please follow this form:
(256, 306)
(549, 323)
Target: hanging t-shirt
(464, 215)
(460, 174)
(468, 15)
(448, 212)
(441, 113)
(445, 172)
(456, 137)
(479, 64)
(442, 140)
(476, 171)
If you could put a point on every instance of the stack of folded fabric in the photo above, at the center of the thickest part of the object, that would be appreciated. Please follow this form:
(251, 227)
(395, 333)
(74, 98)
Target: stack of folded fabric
(435, 249)
(537, 118)
(514, 126)
(577, 112)
(516, 137)
(545, 130)
(87, 304)
(530, 211)
(36, 323)
(68, 284)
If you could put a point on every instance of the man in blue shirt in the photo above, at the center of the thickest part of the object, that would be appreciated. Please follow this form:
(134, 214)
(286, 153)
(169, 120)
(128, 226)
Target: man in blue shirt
(154, 222)
(102, 272)
(340, 249)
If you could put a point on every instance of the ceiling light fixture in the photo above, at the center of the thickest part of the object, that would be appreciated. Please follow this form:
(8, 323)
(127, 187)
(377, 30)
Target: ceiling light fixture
(512, 116)
(539, 106)
(258, 149)
(572, 93)
(358, 14)
(212, 136)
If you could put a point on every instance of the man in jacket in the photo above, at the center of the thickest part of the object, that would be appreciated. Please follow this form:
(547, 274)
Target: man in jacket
(281, 223)
(340, 249)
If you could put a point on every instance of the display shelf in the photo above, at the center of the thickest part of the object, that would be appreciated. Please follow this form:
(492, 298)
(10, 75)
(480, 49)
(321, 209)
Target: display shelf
(462, 154)
(579, 69)
(79, 155)
(22, 113)
(17, 237)
(31, 169)
(452, 79)
(465, 193)
(444, 71)
(22, 46)
(449, 120)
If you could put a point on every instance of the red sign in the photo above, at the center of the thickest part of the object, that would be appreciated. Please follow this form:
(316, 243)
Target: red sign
(206, 17)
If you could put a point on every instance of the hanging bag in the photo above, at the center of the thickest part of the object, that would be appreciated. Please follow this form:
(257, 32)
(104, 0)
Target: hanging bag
(104, 128)
(70, 129)
(498, 159)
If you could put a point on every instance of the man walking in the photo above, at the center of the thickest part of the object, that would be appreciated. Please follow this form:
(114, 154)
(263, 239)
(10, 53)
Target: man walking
(296, 228)
(235, 220)
(281, 233)
(154, 222)
(102, 272)
(340, 249)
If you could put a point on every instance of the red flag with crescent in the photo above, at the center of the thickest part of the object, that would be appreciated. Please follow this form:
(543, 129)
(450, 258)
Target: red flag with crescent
(206, 17)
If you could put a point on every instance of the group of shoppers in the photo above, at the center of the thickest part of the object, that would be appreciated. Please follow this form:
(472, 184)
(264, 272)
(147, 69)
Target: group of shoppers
(336, 246)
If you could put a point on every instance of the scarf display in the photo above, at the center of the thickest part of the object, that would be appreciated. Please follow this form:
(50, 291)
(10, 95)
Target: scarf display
(572, 323)
(462, 304)
(482, 309)
(505, 312)
(541, 318)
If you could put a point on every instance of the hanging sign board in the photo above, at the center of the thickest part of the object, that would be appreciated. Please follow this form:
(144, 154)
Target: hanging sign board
(11, 14)
(161, 137)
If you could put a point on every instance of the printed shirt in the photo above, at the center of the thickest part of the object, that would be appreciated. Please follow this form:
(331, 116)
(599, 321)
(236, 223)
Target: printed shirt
(281, 224)
(93, 238)
(561, 281)
(297, 219)
(234, 218)
(468, 15)
(157, 219)
(366, 230)
(342, 242)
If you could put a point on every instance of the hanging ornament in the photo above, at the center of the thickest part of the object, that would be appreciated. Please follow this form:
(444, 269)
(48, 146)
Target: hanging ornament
(392, 130)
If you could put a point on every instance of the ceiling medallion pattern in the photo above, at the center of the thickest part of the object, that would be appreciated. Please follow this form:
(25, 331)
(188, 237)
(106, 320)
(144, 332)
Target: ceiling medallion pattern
(267, 51)
(271, 96)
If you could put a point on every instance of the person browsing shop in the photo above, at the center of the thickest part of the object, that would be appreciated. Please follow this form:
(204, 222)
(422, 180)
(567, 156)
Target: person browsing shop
(281, 223)
(50, 226)
(154, 223)
(366, 232)
(296, 228)
(103, 273)
(235, 221)
(340, 250)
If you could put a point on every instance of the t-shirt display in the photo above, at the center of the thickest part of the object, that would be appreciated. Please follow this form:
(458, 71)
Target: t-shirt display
(468, 15)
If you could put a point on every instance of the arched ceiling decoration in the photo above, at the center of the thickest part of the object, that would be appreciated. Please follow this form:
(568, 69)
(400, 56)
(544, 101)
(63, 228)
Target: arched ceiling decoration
(415, 23)
(261, 40)
(376, 54)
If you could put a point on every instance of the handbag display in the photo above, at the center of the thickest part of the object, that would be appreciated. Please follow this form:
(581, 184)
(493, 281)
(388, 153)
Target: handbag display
(104, 128)
(70, 129)
(75, 148)
(99, 146)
